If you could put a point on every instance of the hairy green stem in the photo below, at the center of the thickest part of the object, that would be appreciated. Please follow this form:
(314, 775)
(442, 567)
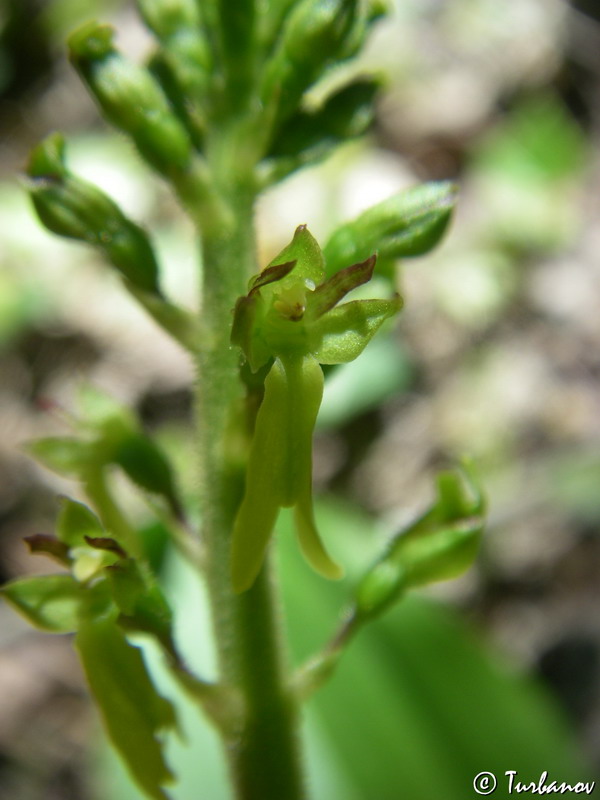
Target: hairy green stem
(262, 748)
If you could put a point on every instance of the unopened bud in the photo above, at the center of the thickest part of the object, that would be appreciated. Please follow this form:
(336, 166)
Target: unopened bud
(74, 208)
(130, 98)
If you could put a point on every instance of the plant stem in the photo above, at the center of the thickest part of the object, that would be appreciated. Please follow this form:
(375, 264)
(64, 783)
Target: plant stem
(263, 748)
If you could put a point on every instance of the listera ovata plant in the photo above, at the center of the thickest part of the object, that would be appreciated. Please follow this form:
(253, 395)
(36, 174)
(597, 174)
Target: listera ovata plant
(223, 110)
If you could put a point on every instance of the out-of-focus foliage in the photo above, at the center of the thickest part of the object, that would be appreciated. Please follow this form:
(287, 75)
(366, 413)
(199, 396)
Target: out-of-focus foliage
(497, 352)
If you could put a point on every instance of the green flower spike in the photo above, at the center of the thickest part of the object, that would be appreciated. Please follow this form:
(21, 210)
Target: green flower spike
(290, 322)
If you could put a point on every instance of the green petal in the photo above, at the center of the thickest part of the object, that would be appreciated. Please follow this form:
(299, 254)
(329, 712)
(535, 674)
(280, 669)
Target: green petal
(329, 293)
(49, 602)
(275, 272)
(310, 541)
(305, 250)
(280, 463)
(264, 494)
(76, 521)
(345, 331)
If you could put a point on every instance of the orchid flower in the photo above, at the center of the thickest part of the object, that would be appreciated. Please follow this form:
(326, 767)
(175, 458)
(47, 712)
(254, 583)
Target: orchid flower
(291, 322)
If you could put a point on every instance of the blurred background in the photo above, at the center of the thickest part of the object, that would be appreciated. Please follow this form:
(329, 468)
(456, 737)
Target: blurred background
(496, 355)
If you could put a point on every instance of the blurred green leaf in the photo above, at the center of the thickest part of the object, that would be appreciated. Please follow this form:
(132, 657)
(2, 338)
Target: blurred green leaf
(49, 602)
(527, 169)
(63, 454)
(76, 521)
(146, 465)
(351, 389)
(131, 708)
(419, 687)
(539, 140)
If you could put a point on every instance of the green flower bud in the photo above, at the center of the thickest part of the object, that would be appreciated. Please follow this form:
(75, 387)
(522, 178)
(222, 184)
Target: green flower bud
(408, 224)
(167, 17)
(308, 137)
(382, 585)
(440, 545)
(183, 62)
(71, 207)
(184, 78)
(313, 34)
(131, 99)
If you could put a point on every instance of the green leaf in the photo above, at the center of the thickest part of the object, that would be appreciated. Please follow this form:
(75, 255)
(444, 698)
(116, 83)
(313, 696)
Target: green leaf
(408, 224)
(146, 465)
(49, 602)
(132, 710)
(71, 207)
(76, 521)
(345, 330)
(131, 99)
(63, 454)
(381, 372)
